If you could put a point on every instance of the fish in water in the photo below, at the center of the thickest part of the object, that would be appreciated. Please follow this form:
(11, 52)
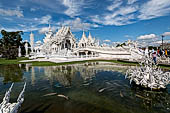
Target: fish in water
(101, 90)
(63, 96)
(86, 84)
(108, 83)
(121, 94)
(49, 94)
(44, 89)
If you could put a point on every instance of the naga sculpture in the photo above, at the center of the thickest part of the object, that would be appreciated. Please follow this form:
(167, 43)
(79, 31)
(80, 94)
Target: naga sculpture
(6, 107)
(148, 75)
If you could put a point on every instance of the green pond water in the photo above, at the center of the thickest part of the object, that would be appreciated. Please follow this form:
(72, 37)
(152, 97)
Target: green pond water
(96, 87)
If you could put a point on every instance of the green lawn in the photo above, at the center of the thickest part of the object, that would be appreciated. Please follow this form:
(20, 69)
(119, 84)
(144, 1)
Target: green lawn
(46, 63)
(12, 61)
(36, 63)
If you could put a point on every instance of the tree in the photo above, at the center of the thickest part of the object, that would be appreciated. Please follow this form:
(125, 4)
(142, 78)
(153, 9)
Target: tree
(121, 45)
(9, 44)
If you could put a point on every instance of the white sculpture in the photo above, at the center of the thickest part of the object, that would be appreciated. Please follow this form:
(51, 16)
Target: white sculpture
(26, 49)
(19, 51)
(6, 107)
(32, 42)
(148, 75)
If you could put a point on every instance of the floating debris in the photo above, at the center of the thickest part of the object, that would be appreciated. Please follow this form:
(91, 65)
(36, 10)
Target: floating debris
(49, 94)
(6, 107)
(63, 96)
(148, 75)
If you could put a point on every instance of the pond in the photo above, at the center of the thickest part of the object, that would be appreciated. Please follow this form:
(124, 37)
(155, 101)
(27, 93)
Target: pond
(92, 87)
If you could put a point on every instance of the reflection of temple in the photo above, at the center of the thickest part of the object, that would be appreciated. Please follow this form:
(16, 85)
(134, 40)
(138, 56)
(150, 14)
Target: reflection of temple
(63, 44)
(65, 74)
(33, 76)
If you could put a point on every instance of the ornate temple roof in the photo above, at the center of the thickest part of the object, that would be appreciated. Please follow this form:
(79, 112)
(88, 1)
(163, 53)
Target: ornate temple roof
(90, 39)
(63, 31)
(83, 38)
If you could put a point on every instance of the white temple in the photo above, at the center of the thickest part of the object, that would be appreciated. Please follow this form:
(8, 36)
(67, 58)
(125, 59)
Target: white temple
(63, 44)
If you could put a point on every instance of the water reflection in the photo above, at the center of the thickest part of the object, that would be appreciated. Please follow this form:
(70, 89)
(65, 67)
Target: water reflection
(91, 87)
(11, 73)
(66, 74)
(32, 76)
(152, 99)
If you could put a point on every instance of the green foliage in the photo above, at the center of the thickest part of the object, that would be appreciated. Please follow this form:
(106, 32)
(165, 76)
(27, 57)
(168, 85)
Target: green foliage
(9, 44)
(152, 47)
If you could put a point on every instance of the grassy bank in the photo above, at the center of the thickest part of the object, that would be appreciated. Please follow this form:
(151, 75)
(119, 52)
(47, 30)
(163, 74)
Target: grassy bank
(47, 63)
(43, 63)
(12, 61)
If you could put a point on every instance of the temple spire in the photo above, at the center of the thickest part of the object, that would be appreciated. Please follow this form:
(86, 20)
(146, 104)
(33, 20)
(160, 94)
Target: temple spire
(49, 27)
(84, 37)
(32, 41)
(90, 37)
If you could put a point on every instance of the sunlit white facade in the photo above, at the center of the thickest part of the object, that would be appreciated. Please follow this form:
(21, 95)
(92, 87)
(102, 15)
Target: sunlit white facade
(64, 44)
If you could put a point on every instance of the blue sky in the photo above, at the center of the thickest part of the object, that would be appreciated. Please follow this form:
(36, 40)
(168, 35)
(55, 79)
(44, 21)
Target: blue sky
(114, 20)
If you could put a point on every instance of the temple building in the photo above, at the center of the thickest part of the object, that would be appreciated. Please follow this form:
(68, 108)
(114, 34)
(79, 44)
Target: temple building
(86, 42)
(61, 41)
(64, 44)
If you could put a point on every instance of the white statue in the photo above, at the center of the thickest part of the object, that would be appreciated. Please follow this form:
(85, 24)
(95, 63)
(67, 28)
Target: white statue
(32, 42)
(146, 52)
(19, 51)
(6, 107)
(26, 49)
(148, 75)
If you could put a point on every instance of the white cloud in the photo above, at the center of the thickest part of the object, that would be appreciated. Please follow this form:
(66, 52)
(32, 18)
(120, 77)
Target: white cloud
(146, 37)
(160, 41)
(45, 19)
(166, 34)
(122, 16)
(107, 40)
(95, 25)
(122, 12)
(117, 20)
(128, 36)
(74, 7)
(154, 8)
(114, 5)
(21, 25)
(45, 29)
(33, 9)
(131, 1)
(8, 18)
(9, 12)
(78, 25)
